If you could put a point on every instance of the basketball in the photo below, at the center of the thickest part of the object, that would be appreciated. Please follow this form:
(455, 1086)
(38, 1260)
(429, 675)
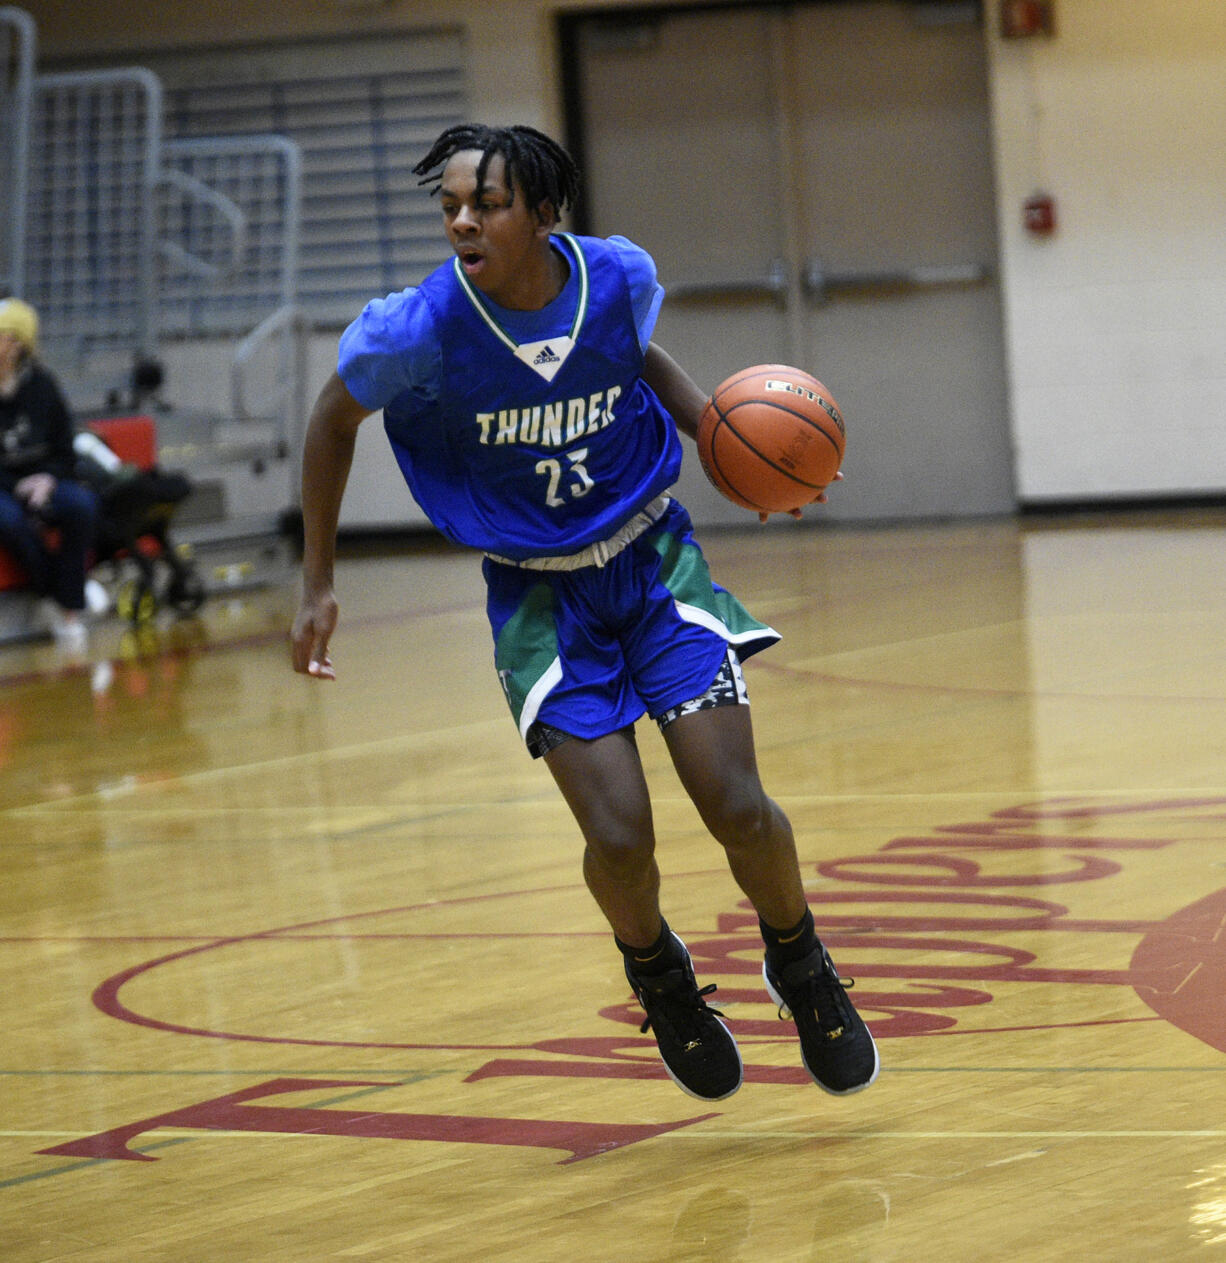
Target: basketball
(771, 438)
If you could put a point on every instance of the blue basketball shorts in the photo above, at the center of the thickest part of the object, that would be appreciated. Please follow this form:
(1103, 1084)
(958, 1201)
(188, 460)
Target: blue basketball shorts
(589, 651)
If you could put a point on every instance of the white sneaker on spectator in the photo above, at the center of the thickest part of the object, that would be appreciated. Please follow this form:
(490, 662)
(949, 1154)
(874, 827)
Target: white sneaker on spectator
(97, 598)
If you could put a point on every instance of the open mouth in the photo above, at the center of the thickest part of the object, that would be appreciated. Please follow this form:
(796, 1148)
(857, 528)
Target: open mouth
(470, 260)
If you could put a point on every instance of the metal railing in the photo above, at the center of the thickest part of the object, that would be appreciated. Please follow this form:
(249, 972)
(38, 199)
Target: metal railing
(240, 277)
(277, 348)
(132, 239)
(18, 41)
(229, 234)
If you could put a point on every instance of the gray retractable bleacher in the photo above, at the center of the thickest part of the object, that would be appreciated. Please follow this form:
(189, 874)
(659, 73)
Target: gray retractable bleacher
(132, 242)
(129, 245)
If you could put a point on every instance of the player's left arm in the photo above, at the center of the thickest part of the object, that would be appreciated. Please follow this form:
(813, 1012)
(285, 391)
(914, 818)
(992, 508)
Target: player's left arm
(678, 391)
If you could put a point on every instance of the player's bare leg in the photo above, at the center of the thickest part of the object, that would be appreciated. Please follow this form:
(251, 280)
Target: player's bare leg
(713, 753)
(603, 783)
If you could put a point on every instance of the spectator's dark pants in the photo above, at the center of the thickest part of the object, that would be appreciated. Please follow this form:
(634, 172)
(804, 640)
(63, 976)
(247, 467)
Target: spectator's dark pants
(57, 572)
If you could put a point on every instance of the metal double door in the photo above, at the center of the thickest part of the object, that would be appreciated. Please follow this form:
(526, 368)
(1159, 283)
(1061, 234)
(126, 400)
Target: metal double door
(815, 184)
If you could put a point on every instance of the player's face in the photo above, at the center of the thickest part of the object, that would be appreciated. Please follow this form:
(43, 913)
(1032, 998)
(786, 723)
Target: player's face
(501, 242)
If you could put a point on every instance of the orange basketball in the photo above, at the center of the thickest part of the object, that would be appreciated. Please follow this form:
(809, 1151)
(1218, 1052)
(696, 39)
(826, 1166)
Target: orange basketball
(771, 438)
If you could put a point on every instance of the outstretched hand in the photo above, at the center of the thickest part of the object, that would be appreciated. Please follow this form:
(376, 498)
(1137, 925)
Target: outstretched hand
(820, 498)
(313, 627)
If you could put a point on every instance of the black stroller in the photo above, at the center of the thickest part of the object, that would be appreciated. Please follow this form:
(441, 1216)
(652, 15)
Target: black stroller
(133, 534)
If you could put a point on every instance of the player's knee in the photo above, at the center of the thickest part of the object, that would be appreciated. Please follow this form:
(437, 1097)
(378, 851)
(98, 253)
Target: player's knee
(742, 817)
(621, 854)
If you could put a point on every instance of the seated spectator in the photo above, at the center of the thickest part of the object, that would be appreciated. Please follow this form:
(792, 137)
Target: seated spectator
(36, 486)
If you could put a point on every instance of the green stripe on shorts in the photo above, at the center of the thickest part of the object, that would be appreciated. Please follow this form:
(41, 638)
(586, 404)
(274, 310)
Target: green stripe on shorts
(684, 572)
(526, 654)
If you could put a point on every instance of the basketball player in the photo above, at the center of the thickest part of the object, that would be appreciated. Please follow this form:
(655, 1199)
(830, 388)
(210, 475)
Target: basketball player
(535, 421)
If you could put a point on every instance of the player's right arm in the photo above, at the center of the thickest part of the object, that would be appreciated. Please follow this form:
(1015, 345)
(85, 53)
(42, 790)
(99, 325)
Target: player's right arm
(326, 459)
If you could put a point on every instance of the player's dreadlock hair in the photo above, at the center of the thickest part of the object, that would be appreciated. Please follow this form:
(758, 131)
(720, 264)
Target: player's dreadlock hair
(543, 169)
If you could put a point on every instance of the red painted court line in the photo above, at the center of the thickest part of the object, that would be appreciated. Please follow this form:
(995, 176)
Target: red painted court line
(113, 938)
(253, 641)
(907, 686)
(294, 936)
(282, 936)
(264, 639)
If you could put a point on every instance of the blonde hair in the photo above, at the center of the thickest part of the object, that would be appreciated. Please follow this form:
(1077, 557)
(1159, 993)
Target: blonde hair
(21, 320)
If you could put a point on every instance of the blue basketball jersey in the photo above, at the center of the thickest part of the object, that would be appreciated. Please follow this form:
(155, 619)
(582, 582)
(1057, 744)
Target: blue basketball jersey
(541, 437)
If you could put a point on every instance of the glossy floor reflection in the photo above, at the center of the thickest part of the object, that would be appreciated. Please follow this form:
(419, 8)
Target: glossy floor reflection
(302, 971)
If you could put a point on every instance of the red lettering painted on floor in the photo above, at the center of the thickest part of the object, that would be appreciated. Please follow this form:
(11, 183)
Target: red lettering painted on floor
(234, 1113)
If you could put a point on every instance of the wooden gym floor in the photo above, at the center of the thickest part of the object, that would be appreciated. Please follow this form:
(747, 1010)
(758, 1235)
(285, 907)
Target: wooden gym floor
(294, 971)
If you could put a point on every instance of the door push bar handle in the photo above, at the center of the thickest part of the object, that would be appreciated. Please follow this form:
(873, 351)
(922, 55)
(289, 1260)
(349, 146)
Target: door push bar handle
(773, 285)
(820, 285)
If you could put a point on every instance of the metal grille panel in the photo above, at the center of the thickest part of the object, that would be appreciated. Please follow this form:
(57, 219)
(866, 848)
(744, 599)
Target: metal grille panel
(95, 139)
(228, 216)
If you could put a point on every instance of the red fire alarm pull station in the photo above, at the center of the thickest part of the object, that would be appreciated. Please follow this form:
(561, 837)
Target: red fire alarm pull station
(1039, 214)
(1019, 18)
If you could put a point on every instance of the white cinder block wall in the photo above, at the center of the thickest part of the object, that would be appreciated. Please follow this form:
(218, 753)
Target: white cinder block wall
(1116, 326)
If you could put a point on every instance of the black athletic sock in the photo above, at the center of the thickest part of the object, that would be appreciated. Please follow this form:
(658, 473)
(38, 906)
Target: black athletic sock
(785, 946)
(664, 954)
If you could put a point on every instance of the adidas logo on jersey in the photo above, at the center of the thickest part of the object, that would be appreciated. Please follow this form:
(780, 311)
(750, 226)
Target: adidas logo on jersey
(547, 356)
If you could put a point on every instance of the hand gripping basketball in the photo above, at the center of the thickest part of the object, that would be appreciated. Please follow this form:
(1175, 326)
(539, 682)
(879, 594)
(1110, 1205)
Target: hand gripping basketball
(771, 438)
